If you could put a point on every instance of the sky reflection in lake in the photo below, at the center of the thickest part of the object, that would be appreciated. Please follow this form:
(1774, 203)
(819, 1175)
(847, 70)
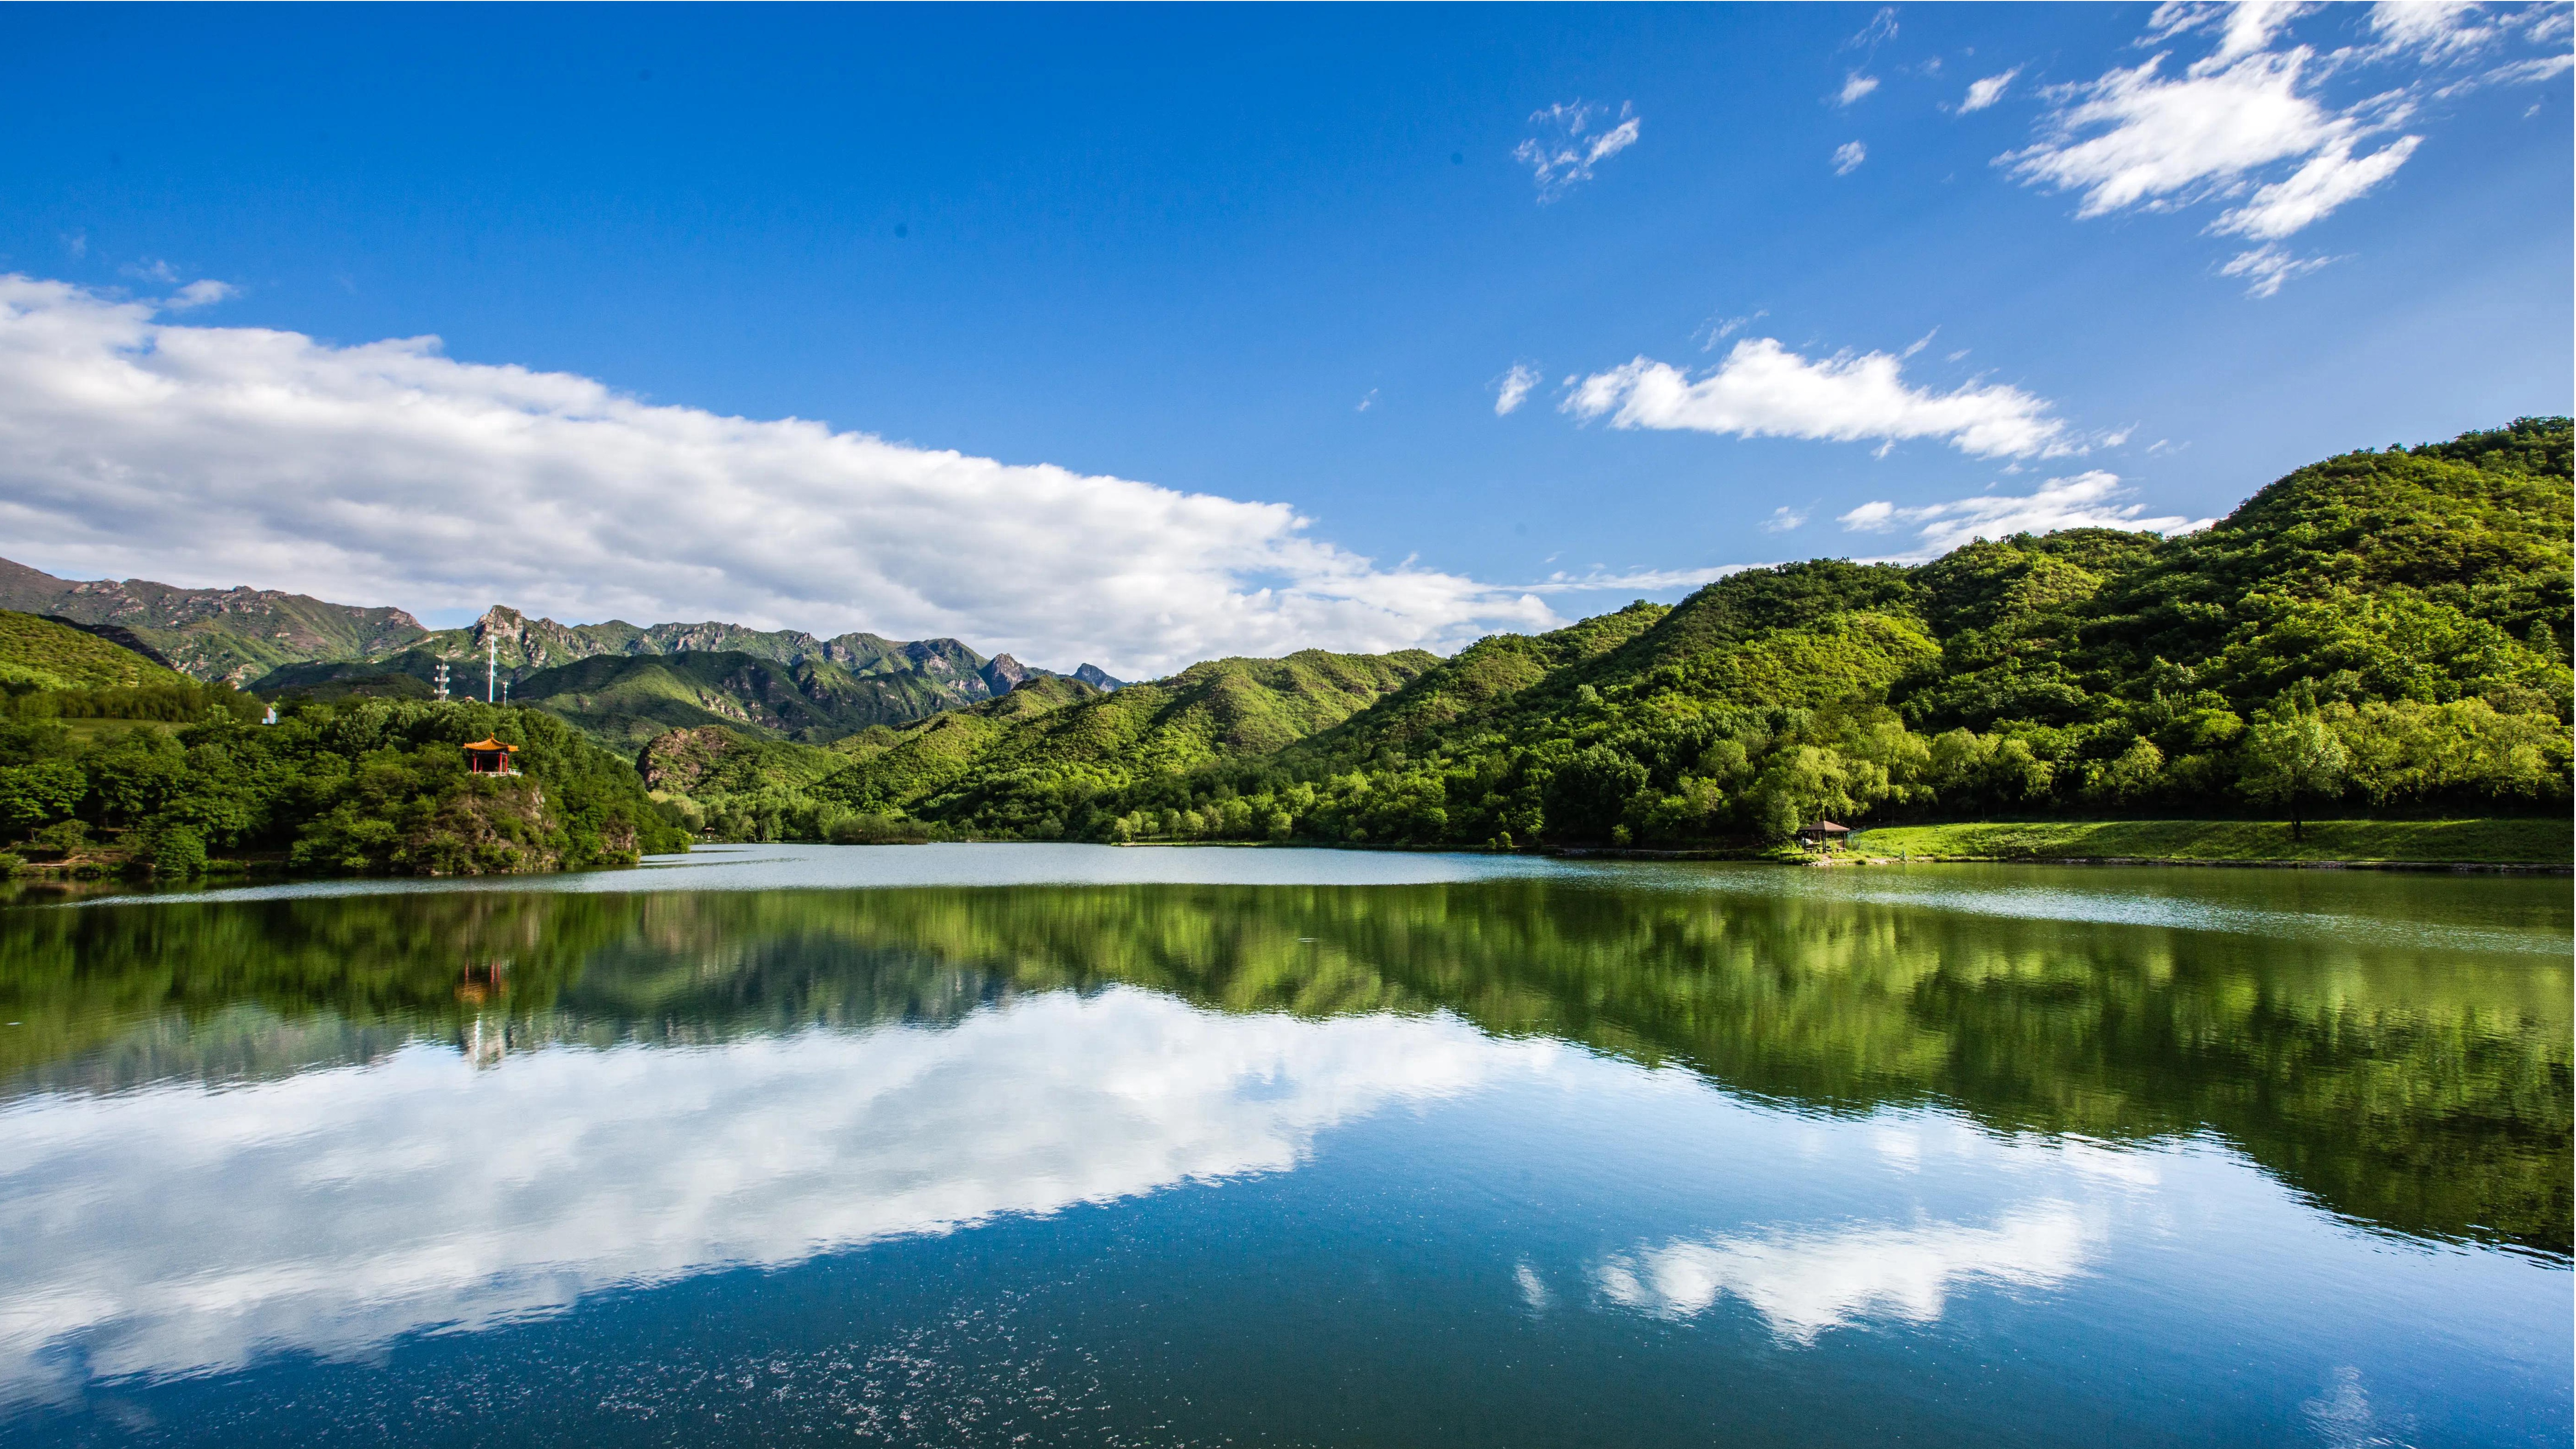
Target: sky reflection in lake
(1571, 1154)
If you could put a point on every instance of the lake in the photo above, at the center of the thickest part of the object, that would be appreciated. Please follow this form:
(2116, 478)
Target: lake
(968, 1145)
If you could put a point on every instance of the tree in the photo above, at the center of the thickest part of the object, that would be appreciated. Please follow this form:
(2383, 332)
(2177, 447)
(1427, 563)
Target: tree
(2290, 759)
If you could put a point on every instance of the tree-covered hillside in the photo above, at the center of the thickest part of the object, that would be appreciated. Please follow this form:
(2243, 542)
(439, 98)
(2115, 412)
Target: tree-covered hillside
(2384, 630)
(44, 654)
(365, 786)
(1030, 762)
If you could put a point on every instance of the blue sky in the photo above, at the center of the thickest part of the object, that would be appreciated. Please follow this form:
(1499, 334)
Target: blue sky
(1270, 255)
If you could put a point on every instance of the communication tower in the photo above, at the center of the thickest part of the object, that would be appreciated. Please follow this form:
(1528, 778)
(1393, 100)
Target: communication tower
(442, 679)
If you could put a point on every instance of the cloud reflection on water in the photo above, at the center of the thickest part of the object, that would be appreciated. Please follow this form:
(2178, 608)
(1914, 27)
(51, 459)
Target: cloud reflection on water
(1805, 1281)
(183, 1230)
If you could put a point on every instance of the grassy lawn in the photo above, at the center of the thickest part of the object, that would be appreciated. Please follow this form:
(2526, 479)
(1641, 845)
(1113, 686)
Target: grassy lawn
(2518, 841)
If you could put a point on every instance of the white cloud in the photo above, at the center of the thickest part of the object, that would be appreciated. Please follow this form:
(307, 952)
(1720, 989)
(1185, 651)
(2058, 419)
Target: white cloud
(1718, 329)
(1876, 517)
(1633, 581)
(1367, 402)
(1984, 93)
(2266, 267)
(200, 294)
(1764, 390)
(1806, 1281)
(2135, 138)
(2433, 29)
(2329, 179)
(2248, 124)
(1880, 29)
(2086, 500)
(1784, 519)
(1855, 86)
(1849, 155)
(2525, 72)
(420, 1192)
(386, 473)
(2243, 26)
(1568, 147)
(1515, 388)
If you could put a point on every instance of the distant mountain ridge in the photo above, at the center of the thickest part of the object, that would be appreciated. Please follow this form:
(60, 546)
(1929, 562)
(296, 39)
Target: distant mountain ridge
(780, 683)
(230, 634)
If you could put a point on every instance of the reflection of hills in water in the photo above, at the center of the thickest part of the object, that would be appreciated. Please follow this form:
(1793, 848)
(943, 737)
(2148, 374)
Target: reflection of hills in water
(2425, 1090)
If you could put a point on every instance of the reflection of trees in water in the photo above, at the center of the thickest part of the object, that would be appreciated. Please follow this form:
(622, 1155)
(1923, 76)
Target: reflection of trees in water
(2423, 1091)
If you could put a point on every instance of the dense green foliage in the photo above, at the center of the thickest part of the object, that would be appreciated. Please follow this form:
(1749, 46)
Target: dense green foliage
(41, 654)
(2382, 630)
(362, 786)
(2429, 1101)
(1034, 761)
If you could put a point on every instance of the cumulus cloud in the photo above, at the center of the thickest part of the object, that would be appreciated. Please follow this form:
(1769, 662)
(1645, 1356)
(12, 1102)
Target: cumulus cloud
(1515, 388)
(387, 473)
(2086, 500)
(1849, 155)
(1984, 93)
(1806, 1281)
(2266, 267)
(1784, 519)
(361, 1204)
(1855, 86)
(1571, 143)
(1762, 389)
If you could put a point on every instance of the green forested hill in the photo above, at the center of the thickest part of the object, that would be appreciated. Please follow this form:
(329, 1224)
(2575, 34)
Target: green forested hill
(2381, 630)
(626, 701)
(1029, 762)
(1038, 753)
(41, 654)
(360, 786)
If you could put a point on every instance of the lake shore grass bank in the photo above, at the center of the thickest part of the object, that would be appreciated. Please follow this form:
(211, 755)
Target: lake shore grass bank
(2514, 840)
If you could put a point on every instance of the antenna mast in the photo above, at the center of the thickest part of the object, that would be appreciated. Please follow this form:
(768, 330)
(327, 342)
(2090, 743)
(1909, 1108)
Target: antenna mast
(442, 679)
(491, 671)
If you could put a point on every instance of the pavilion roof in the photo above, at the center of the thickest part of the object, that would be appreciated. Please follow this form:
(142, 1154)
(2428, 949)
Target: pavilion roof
(489, 743)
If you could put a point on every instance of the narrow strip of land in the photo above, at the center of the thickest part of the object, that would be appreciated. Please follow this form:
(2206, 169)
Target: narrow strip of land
(2506, 841)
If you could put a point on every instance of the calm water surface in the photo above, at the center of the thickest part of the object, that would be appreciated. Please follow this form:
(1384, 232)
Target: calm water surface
(966, 1145)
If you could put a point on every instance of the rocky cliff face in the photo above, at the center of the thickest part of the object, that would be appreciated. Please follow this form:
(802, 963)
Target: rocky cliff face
(1098, 678)
(677, 760)
(1002, 674)
(524, 646)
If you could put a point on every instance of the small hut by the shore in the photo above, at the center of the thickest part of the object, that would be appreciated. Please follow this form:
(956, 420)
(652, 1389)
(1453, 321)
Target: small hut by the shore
(1824, 835)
